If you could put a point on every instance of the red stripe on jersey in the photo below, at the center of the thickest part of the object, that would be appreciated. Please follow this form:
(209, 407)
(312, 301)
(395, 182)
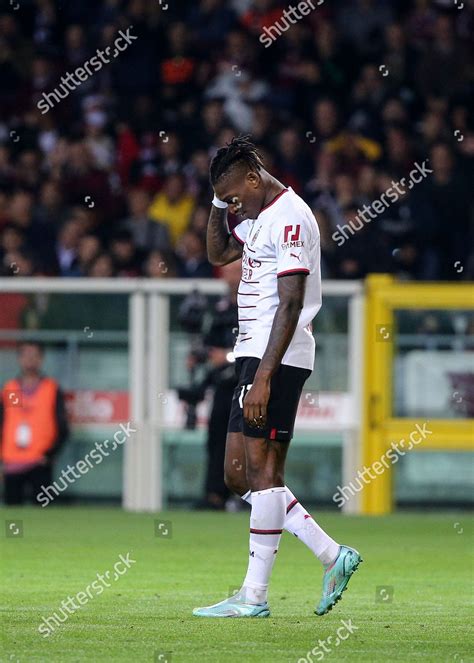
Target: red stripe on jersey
(248, 306)
(237, 237)
(291, 505)
(250, 294)
(249, 281)
(273, 201)
(300, 270)
(245, 339)
(247, 319)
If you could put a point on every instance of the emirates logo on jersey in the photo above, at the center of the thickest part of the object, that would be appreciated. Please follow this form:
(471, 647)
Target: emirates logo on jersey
(251, 262)
(291, 237)
(248, 265)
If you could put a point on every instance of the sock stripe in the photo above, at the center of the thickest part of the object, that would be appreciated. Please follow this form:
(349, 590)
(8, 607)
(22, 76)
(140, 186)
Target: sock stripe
(291, 505)
(265, 531)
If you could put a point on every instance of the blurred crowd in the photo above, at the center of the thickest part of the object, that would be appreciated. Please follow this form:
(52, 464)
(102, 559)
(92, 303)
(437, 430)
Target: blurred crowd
(113, 179)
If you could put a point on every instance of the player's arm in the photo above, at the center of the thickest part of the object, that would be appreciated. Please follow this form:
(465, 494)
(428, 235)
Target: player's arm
(291, 291)
(222, 247)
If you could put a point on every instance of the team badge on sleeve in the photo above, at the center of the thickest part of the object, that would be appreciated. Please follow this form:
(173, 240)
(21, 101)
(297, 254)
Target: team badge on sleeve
(291, 237)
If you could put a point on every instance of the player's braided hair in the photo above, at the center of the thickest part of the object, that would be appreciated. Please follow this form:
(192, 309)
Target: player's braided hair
(240, 149)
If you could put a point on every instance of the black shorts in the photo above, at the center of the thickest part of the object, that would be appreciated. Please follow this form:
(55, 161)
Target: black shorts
(285, 391)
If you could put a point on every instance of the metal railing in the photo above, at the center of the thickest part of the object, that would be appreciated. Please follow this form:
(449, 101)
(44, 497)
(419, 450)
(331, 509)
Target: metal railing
(148, 336)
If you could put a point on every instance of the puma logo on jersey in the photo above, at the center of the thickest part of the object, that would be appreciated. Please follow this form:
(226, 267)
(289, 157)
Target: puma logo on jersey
(295, 255)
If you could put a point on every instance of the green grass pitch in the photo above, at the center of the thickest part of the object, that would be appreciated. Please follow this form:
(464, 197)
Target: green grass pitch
(422, 561)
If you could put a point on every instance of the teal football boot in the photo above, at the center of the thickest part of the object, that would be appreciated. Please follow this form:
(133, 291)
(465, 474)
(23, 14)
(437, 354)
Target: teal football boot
(235, 606)
(336, 578)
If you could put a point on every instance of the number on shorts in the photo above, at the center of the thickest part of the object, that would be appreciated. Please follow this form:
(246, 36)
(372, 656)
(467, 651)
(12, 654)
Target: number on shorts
(243, 391)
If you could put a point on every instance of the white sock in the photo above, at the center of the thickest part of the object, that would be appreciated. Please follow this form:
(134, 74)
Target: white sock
(302, 525)
(266, 524)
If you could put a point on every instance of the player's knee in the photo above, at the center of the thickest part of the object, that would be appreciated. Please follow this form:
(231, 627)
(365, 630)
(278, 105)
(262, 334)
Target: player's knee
(259, 478)
(235, 482)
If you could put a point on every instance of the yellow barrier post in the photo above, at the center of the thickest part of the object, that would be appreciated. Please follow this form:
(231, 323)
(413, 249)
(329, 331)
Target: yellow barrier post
(379, 427)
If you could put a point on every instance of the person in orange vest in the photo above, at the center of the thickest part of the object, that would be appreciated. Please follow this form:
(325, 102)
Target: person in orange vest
(33, 427)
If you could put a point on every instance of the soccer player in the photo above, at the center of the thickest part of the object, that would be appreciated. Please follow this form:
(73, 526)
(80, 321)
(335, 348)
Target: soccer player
(278, 297)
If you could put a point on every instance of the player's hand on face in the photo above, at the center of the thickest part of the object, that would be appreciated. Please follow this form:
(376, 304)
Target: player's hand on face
(235, 206)
(255, 404)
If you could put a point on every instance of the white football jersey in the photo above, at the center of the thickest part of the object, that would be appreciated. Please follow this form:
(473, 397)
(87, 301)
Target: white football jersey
(283, 239)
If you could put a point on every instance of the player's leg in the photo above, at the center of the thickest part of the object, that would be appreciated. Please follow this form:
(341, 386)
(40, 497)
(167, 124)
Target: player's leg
(265, 477)
(260, 464)
(297, 519)
(267, 468)
(235, 464)
(301, 524)
(235, 478)
(340, 562)
(287, 385)
(234, 459)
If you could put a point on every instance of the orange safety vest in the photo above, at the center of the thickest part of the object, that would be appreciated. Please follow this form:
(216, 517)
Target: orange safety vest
(29, 421)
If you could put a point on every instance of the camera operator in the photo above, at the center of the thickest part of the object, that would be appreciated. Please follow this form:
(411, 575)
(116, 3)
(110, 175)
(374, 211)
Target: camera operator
(215, 347)
(220, 340)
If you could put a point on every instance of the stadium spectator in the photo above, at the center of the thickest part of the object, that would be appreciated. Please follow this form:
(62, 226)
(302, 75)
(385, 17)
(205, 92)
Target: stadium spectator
(160, 265)
(442, 69)
(364, 252)
(173, 206)
(449, 193)
(146, 234)
(349, 93)
(11, 240)
(199, 220)
(102, 266)
(88, 249)
(67, 247)
(192, 256)
(124, 254)
(49, 212)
